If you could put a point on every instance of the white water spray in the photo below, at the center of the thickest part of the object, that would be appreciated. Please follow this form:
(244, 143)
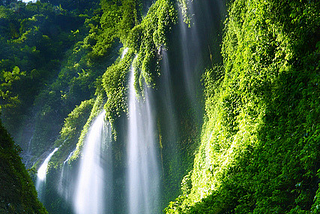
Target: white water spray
(124, 52)
(27, 156)
(90, 192)
(42, 174)
(143, 169)
(64, 181)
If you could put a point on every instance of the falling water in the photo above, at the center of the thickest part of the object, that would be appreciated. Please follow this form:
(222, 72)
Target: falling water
(124, 52)
(91, 196)
(28, 1)
(65, 180)
(190, 52)
(143, 169)
(168, 98)
(27, 156)
(42, 174)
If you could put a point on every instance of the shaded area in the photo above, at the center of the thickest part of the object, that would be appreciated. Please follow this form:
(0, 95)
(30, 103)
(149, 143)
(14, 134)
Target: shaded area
(260, 146)
(17, 193)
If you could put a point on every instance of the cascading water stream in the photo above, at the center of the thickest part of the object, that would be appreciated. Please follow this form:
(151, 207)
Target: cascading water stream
(190, 51)
(124, 53)
(64, 181)
(168, 97)
(27, 156)
(42, 175)
(143, 169)
(170, 129)
(91, 193)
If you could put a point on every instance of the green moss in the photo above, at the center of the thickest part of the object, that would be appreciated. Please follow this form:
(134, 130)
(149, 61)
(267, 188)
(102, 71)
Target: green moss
(98, 105)
(18, 194)
(144, 40)
(184, 6)
(71, 130)
(114, 83)
(259, 149)
(149, 37)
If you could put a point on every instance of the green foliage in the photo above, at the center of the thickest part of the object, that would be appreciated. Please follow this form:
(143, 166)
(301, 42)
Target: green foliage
(8, 80)
(34, 38)
(71, 130)
(259, 151)
(114, 83)
(184, 6)
(55, 92)
(143, 39)
(18, 194)
(109, 25)
(96, 109)
(148, 38)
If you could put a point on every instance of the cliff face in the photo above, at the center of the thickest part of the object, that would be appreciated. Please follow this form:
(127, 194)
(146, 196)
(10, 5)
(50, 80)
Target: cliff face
(259, 147)
(18, 194)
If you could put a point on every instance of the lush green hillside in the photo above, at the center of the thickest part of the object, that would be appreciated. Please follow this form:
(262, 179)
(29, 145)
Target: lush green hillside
(18, 194)
(44, 69)
(259, 151)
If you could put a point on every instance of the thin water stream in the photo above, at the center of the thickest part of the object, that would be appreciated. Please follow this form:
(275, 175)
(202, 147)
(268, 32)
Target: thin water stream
(143, 165)
(90, 192)
(42, 175)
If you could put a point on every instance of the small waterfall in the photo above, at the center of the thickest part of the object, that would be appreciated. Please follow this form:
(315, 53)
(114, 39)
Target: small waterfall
(169, 126)
(93, 191)
(190, 48)
(167, 99)
(27, 155)
(124, 52)
(42, 174)
(64, 188)
(143, 169)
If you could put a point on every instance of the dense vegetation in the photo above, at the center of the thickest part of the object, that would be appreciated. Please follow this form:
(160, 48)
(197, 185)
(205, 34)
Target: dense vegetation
(259, 151)
(18, 194)
(44, 71)
(144, 40)
(60, 66)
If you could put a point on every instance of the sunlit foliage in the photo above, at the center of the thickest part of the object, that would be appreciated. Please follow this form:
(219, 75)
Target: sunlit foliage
(260, 141)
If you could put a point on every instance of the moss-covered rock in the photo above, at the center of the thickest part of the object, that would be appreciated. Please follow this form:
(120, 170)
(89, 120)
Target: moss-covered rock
(18, 194)
(259, 150)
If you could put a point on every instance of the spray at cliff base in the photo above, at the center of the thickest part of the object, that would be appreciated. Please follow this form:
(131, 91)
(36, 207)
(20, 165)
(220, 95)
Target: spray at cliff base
(42, 175)
(143, 169)
(92, 195)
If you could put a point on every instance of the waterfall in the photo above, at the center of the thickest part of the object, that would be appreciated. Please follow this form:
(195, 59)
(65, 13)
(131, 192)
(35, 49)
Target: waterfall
(191, 53)
(42, 174)
(124, 52)
(143, 169)
(64, 188)
(92, 195)
(27, 155)
(167, 99)
(169, 124)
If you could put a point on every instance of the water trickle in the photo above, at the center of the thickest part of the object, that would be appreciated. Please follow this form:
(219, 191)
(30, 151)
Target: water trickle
(65, 179)
(27, 156)
(42, 174)
(91, 194)
(190, 51)
(167, 99)
(124, 52)
(143, 169)
(169, 130)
